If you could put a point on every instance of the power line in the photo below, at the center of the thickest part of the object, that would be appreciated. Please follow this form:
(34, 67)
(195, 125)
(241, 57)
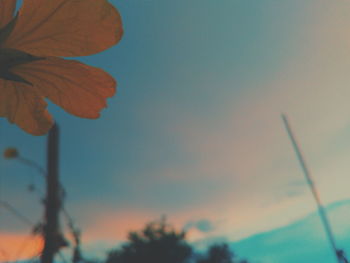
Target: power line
(16, 213)
(12, 153)
(33, 164)
(26, 221)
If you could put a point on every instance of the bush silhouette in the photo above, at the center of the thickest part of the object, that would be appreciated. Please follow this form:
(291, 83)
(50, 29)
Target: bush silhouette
(220, 253)
(158, 242)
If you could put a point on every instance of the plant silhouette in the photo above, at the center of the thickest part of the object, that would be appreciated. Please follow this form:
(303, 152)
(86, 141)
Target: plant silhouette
(220, 253)
(158, 242)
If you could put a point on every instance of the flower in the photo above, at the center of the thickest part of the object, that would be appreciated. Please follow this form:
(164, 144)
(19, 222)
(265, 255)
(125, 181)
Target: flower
(31, 70)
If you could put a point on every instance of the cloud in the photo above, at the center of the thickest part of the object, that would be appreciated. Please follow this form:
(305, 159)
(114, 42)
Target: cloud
(114, 226)
(203, 225)
(239, 169)
(18, 246)
(234, 167)
(246, 150)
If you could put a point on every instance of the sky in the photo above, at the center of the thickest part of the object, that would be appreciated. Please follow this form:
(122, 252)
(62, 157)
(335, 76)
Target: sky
(194, 131)
(304, 236)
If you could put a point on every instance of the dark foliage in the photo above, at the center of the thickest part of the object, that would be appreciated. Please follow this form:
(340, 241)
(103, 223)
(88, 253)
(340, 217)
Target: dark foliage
(156, 243)
(220, 253)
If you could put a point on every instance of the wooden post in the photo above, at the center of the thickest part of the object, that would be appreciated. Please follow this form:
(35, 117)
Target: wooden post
(53, 200)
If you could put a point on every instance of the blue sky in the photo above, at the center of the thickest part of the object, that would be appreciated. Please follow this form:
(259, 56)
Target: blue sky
(194, 131)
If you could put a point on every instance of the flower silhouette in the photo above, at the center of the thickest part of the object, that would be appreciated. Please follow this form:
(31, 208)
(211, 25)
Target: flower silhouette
(31, 70)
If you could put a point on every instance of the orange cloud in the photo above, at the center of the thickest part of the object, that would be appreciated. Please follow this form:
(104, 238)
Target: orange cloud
(113, 227)
(18, 246)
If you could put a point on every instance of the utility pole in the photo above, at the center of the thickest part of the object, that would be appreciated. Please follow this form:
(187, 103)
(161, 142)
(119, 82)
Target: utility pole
(339, 254)
(52, 200)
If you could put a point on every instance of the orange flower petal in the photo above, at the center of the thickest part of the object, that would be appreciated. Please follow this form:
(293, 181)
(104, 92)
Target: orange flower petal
(79, 89)
(65, 27)
(7, 8)
(22, 106)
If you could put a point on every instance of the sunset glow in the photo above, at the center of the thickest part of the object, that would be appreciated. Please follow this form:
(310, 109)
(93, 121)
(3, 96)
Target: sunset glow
(195, 133)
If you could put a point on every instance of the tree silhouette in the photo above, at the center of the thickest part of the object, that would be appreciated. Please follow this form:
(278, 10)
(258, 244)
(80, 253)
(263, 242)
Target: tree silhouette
(220, 253)
(158, 242)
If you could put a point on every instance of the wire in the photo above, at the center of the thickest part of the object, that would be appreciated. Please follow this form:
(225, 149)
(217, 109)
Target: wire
(16, 213)
(33, 164)
(41, 171)
(74, 231)
(26, 221)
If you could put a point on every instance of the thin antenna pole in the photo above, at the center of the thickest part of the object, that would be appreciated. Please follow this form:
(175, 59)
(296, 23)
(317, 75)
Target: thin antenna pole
(338, 253)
